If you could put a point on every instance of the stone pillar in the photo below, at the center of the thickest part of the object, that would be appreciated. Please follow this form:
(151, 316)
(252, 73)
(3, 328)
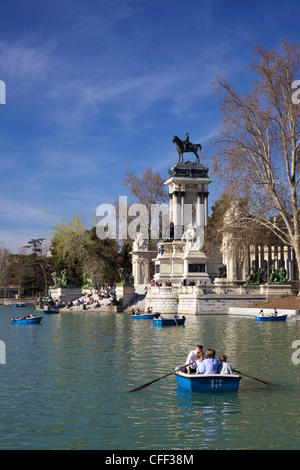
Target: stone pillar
(198, 210)
(177, 216)
(206, 210)
(182, 210)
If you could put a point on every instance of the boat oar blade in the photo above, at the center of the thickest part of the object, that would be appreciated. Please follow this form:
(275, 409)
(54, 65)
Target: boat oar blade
(149, 383)
(254, 378)
(155, 380)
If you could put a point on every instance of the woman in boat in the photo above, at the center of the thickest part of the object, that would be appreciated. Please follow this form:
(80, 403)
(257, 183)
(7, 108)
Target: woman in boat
(275, 313)
(261, 313)
(210, 364)
(224, 367)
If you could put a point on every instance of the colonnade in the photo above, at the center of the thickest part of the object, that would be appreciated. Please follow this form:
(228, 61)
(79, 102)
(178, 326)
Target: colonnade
(183, 212)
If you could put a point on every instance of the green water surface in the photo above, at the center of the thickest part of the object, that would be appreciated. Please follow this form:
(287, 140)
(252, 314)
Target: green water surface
(65, 384)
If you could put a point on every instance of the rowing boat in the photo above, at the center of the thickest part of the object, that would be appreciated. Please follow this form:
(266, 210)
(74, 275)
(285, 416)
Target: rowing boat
(145, 316)
(25, 321)
(174, 321)
(207, 383)
(20, 304)
(277, 318)
(51, 310)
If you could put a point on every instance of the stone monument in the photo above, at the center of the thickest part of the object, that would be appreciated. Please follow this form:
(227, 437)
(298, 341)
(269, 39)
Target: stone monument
(181, 258)
(125, 290)
(66, 287)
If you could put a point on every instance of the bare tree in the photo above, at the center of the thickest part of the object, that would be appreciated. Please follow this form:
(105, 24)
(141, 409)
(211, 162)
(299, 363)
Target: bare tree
(148, 189)
(258, 150)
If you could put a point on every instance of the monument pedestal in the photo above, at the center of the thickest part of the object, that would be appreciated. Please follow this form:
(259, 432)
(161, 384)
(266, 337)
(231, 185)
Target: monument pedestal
(125, 294)
(65, 294)
(194, 268)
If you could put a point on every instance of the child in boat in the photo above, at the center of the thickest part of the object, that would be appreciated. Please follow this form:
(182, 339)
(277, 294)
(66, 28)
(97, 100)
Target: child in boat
(223, 367)
(199, 362)
(210, 364)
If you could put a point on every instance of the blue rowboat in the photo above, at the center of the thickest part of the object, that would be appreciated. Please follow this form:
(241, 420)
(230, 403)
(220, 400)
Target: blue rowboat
(145, 316)
(51, 310)
(20, 304)
(210, 383)
(278, 318)
(25, 321)
(174, 321)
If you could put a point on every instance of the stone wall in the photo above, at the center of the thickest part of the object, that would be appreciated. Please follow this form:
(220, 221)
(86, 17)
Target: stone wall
(207, 300)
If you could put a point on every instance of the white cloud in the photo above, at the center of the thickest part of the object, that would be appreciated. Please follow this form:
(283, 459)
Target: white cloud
(26, 62)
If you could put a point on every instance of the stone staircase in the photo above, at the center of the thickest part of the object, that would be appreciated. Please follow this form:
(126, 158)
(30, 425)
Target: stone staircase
(138, 302)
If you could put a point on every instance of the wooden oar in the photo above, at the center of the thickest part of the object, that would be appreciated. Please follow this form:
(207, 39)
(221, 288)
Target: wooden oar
(254, 378)
(137, 389)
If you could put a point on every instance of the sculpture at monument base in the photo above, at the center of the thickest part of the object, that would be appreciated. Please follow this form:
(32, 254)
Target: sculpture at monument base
(64, 281)
(125, 278)
(277, 276)
(87, 283)
(194, 238)
(256, 276)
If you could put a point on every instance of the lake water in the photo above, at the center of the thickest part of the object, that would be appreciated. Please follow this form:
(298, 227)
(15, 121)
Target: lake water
(65, 384)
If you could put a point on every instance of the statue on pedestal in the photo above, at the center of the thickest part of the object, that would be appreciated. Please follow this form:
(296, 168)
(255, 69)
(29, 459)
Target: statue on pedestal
(186, 146)
(126, 279)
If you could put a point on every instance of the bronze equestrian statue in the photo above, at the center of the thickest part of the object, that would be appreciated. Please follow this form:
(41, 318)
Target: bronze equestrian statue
(186, 146)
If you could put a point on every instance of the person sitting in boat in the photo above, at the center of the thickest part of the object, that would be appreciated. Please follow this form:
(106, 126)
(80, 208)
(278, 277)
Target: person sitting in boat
(261, 313)
(149, 311)
(275, 313)
(210, 364)
(192, 356)
(224, 367)
(199, 362)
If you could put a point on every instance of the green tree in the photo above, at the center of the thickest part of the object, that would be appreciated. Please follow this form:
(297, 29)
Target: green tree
(35, 245)
(69, 246)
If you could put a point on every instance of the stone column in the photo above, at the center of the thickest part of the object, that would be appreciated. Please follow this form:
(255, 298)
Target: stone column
(177, 216)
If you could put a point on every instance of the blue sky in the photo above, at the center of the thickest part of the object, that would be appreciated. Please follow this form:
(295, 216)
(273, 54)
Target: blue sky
(96, 87)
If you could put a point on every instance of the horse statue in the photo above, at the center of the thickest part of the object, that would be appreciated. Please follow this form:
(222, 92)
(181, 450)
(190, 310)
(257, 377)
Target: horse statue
(186, 146)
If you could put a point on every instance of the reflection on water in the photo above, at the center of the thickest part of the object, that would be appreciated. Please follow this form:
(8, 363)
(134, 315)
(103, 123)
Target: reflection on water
(66, 381)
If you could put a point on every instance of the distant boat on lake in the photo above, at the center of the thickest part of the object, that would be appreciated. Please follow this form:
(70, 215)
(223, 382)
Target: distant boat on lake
(25, 320)
(171, 321)
(273, 318)
(20, 304)
(145, 316)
